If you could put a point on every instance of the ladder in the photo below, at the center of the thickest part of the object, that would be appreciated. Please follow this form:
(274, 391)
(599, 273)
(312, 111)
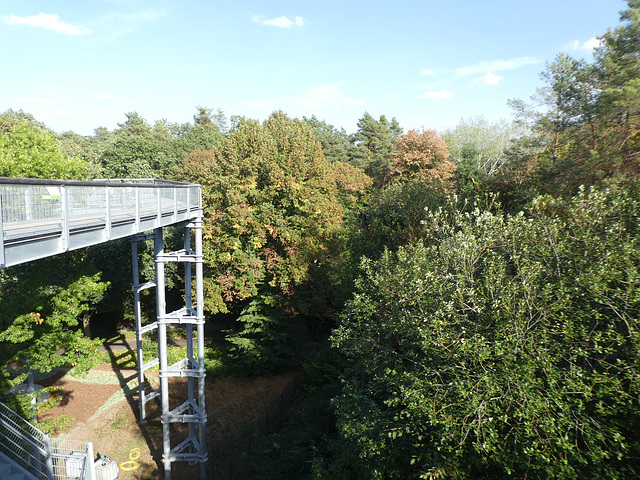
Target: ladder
(190, 369)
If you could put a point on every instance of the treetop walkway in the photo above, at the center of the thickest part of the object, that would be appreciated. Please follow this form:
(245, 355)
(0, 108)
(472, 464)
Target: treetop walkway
(40, 218)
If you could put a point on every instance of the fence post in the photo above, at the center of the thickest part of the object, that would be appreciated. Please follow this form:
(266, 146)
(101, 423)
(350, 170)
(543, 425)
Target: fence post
(1, 233)
(48, 462)
(65, 218)
(89, 465)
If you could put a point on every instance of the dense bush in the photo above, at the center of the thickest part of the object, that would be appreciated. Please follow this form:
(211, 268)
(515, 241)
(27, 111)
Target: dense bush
(507, 348)
(394, 217)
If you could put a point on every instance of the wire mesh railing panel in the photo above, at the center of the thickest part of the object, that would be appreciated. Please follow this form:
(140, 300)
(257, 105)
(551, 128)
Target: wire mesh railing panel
(69, 459)
(194, 196)
(11, 418)
(22, 442)
(181, 199)
(87, 203)
(148, 200)
(30, 203)
(122, 201)
(40, 219)
(167, 200)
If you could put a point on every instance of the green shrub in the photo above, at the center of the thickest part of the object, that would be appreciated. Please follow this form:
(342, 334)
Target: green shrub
(509, 349)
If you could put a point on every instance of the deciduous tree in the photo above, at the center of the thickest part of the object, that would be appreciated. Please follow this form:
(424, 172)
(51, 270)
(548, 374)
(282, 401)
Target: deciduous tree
(508, 348)
(29, 151)
(423, 157)
(271, 209)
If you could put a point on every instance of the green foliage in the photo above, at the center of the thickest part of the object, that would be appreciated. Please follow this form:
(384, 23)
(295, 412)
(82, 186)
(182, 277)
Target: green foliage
(212, 121)
(40, 311)
(272, 209)
(30, 151)
(394, 217)
(480, 149)
(373, 146)
(263, 343)
(139, 150)
(587, 132)
(508, 349)
(59, 424)
(76, 146)
(335, 143)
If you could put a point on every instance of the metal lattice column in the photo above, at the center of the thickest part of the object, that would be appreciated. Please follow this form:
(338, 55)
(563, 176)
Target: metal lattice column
(192, 411)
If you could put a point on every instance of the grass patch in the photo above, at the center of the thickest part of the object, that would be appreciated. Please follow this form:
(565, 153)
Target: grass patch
(213, 358)
(172, 332)
(119, 423)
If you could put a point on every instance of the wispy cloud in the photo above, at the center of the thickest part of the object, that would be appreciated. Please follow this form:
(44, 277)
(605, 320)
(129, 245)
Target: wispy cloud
(485, 73)
(586, 46)
(117, 24)
(48, 21)
(495, 66)
(489, 78)
(438, 95)
(280, 22)
(325, 97)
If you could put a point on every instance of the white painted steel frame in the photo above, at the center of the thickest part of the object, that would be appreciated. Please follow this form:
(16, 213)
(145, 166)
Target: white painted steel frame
(191, 367)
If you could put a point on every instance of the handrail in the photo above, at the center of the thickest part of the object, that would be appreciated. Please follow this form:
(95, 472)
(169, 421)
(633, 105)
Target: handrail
(22, 442)
(43, 457)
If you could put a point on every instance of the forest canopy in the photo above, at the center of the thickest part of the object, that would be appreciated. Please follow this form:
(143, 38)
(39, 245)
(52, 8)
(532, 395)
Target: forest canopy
(470, 298)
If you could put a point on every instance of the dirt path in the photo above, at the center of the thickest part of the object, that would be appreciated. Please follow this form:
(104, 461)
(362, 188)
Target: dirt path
(103, 409)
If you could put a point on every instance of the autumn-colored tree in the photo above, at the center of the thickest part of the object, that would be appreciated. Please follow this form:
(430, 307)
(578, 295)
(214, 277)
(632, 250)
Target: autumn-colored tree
(588, 132)
(271, 209)
(617, 64)
(423, 156)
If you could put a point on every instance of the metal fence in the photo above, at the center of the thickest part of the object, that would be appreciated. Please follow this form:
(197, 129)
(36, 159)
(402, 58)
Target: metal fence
(71, 459)
(44, 458)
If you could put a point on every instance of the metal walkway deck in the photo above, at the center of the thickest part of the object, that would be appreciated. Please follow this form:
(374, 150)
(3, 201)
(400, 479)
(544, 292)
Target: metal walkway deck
(41, 218)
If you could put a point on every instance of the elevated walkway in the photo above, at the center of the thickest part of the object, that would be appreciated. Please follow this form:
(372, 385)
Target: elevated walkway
(41, 218)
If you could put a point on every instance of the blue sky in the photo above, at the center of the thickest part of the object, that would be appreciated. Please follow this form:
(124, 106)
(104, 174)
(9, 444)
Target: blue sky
(79, 65)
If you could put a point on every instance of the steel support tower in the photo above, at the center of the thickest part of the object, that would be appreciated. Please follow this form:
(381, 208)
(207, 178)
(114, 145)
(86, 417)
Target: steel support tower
(189, 370)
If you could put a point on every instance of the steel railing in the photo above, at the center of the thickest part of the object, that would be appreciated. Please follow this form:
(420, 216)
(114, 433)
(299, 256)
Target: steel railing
(43, 457)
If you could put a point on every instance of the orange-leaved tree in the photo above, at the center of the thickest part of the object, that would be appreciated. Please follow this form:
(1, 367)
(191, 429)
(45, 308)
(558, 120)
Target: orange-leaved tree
(423, 157)
(273, 208)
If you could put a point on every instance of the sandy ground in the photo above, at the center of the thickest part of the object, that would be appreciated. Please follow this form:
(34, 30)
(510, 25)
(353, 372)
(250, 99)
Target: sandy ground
(102, 407)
